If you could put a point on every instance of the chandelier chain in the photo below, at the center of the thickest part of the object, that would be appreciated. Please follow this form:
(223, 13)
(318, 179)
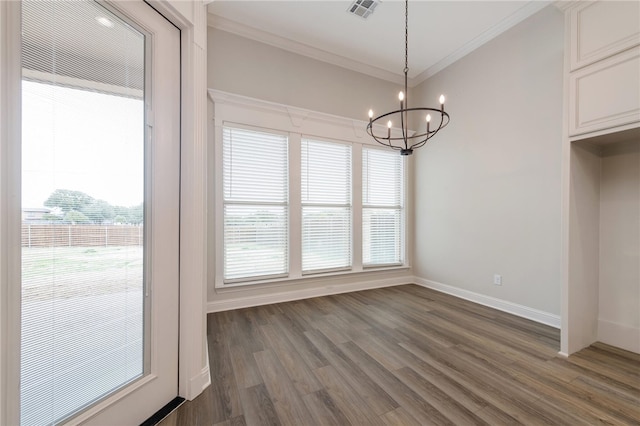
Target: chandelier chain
(406, 37)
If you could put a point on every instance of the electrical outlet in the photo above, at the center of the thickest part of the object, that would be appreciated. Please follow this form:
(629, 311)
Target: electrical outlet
(497, 279)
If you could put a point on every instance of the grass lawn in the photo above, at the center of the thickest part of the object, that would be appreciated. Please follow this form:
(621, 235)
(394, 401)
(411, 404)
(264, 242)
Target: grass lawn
(64, 272)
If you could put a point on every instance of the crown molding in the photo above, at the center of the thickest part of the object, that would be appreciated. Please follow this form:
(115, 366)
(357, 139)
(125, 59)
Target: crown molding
(512, 20)
(246, 31)
(565, 5)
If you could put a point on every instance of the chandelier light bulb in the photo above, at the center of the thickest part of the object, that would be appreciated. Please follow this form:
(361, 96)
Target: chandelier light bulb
(442, 99)
(370, 113)
(401, 96)
(428, 118)
(389, 124)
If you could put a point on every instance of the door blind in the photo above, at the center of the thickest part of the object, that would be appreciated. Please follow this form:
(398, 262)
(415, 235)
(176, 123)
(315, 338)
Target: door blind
(326, 206)
(255, 192)
(82, 336)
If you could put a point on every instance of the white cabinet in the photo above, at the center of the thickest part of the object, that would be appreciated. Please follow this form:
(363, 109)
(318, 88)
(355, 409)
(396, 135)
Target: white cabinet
(604, 67)
(602, 29)
(606, 94)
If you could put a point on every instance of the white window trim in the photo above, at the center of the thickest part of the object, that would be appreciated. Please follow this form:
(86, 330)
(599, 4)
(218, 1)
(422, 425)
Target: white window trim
(241, 111)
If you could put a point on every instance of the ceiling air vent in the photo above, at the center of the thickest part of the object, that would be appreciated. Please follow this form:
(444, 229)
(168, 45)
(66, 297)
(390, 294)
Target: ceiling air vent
(363, 8)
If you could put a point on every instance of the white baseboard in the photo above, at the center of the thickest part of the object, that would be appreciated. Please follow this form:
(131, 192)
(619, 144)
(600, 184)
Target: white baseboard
(499, 304)
(291, 295)
(326, 290)
(619, 335)
(198, 383)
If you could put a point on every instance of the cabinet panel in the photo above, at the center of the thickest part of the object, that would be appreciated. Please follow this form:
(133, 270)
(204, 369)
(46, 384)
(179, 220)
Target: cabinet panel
(601, 29)
(606, 94)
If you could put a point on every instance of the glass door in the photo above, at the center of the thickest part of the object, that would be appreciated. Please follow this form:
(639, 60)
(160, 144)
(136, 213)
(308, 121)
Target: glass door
(99, 211)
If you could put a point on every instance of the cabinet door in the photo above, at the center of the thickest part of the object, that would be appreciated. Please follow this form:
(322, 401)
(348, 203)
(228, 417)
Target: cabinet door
(606, 94)
(602, 29)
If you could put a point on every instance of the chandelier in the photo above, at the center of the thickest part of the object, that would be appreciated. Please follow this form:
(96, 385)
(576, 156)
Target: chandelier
(407, 143)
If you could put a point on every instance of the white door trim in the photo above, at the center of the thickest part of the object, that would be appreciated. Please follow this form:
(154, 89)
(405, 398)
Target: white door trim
(10, 216)
(191, 18)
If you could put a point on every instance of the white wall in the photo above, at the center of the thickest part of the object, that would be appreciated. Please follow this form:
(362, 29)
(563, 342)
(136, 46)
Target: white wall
(619, 286)
(487, 188)
(249, 68)
(246, 67)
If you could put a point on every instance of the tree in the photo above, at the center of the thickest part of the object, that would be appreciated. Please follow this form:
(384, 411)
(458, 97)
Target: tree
(51, 217)
(98, 211)
(68, 200)
(131, 215)
(76, 217)
(120, 219)
(87, 209)
(136, 214)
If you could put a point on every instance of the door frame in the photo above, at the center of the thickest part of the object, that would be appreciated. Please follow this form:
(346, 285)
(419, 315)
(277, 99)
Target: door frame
(10, 215)
(193, 369)
(191, 18)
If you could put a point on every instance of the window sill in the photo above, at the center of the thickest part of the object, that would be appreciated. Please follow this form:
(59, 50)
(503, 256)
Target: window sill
(239, 285)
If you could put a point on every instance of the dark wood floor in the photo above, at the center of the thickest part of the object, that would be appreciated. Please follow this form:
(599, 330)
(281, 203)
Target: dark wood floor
(404, 356)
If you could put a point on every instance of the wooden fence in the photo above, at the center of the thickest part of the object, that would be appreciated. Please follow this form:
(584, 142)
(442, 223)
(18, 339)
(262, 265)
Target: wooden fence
(81, 235)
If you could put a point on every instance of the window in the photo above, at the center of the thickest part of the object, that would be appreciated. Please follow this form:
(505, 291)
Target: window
(301, 196)
(326, 206)
(256, 197)
(382, 207)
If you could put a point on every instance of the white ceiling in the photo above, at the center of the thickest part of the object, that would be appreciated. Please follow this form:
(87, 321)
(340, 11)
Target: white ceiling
(440, 32)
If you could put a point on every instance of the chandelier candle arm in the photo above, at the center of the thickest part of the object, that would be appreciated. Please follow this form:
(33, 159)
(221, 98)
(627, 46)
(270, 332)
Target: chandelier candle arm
(401, 97)
(407, 143)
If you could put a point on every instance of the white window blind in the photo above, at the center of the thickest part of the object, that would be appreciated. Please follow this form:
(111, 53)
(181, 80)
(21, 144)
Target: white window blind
(255, 192)
(326, 206)
(382, 207)
(83, 252)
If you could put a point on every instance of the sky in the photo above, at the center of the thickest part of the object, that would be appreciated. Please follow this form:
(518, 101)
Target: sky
(80, 140)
